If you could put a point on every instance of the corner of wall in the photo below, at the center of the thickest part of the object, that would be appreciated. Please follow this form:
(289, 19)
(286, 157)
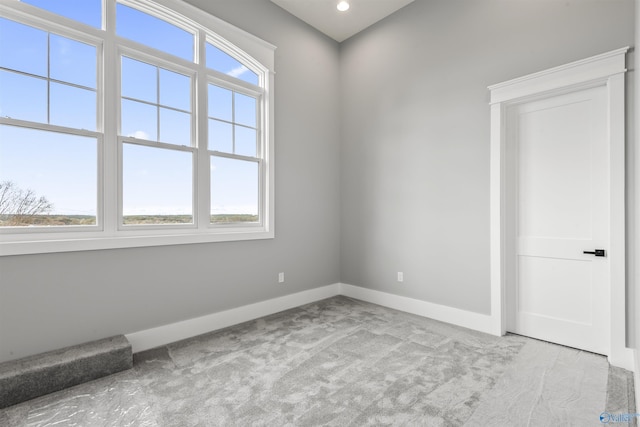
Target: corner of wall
(637, 207)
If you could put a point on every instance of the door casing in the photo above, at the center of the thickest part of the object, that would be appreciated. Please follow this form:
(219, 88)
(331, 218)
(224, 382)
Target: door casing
(606, 70)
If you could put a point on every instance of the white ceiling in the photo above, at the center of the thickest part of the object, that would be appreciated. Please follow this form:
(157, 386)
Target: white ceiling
(323, 15)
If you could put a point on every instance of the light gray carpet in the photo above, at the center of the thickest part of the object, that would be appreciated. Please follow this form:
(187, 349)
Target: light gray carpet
(341, 362)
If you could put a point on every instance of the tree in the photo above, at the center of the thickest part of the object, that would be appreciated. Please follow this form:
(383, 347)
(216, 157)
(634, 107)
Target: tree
(18, 206)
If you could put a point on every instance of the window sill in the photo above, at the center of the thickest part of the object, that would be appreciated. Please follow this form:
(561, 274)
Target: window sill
(59, 243)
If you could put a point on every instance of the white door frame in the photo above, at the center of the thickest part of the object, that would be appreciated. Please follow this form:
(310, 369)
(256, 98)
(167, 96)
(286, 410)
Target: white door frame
(606, 70)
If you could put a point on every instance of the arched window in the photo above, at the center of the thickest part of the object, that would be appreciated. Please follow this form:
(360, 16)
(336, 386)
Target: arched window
(131, 123)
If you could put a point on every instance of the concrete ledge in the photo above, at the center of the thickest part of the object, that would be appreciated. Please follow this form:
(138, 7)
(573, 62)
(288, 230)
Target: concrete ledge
(34, 376)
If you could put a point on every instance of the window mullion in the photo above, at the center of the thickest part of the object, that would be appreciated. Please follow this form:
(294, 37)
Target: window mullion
(201, 131)
(259, 128)
(49, 77)
(111, 120)
(158, 104)
(233, 120)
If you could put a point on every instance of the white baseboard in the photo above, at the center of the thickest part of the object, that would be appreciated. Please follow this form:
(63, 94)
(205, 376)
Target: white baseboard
(623, 358)
(468, 319)
(162, 335)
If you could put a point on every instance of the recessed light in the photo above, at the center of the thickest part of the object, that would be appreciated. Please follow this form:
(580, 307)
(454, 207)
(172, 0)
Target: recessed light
(343, 6)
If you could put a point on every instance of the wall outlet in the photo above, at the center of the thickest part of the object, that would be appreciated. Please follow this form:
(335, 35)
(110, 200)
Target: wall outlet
(400, 276)
(280, 277)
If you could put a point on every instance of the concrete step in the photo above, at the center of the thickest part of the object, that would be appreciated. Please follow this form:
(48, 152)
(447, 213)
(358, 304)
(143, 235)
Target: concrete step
(34, 376)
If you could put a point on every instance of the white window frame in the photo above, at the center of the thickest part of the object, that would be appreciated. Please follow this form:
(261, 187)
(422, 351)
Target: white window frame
(108, 233)
(122, 139)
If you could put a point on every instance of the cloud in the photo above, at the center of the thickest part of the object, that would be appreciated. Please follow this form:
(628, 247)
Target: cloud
(63, 46)
(238, 71)
(139, 134)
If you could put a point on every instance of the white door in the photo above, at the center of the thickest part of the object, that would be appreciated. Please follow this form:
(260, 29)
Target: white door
(558, 159)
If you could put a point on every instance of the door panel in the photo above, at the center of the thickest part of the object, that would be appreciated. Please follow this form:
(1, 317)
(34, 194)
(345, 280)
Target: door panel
(539, 294)
(554, 169)
(558, 147)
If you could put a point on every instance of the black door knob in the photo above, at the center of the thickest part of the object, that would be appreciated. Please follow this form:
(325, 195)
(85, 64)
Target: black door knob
(597, 252)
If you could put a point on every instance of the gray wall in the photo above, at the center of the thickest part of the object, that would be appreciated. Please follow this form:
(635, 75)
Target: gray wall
(403, 186)
(54, 300)
(637, 230)
(415, 137)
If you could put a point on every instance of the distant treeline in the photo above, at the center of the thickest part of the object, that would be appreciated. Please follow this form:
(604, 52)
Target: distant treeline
(187, 219)
(46, 220)
(56, 220)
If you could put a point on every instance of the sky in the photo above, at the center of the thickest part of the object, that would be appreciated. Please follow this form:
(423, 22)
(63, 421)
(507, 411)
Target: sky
(48, 78)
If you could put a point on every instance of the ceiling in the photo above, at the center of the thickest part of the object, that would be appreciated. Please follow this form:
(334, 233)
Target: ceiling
(323, 15)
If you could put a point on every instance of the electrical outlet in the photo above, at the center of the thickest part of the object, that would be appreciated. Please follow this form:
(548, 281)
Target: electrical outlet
(400, 276)
(280, 277)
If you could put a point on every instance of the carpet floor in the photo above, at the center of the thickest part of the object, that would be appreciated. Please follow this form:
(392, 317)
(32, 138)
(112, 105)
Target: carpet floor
(344, 362)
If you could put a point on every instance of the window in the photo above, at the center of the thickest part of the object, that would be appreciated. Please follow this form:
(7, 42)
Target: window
(220, 61)
(233, 138)
(85, 11)
(152, 129)
(154, 32)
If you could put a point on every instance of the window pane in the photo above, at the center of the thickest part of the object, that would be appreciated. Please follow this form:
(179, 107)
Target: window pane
(234, 190)
(73, 107)
(175, 127)
(23, 48)
(220, 103)
(139, 80)
(153, 32)
(59, 167)
(220, 136)
(220, 61)
(245, 141)
(139, 120)
(86, 11)
(22, 97)
(245, 109)
(73, 61)
(157, 185)
(175, 90)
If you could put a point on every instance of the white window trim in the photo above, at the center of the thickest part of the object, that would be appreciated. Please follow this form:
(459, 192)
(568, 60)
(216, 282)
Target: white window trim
(256, 53)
